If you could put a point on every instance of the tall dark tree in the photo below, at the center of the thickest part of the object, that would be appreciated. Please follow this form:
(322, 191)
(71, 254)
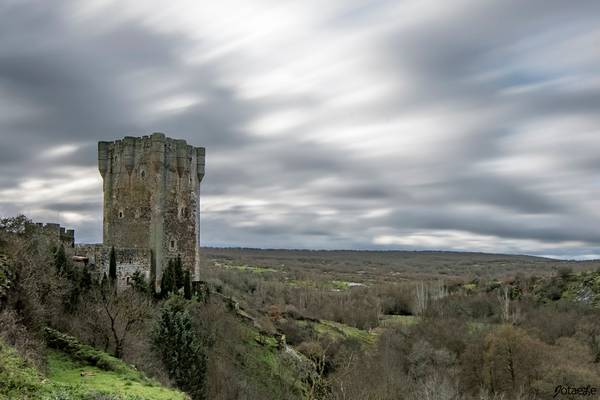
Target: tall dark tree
(71, 297)
(60, 260)
(112, 266)
(187, 285)
(72, 281)
(178, 273)
(86, 280)
(103, 281)
(152, 283)
(166, 281)
(181, 349)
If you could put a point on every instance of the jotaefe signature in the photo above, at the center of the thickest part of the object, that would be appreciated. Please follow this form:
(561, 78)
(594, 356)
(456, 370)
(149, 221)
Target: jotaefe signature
(578, 391)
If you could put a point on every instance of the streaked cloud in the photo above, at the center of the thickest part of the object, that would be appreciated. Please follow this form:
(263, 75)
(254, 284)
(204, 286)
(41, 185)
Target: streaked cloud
(460, 125)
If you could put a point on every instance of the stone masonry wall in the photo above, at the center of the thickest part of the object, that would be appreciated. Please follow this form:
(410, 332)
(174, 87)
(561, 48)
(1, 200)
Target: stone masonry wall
(129, 260)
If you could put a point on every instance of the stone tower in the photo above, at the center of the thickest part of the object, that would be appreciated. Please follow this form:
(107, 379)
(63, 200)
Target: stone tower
(151, 202)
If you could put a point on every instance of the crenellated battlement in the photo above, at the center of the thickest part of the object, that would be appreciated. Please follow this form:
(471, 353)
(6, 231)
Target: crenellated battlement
(159, 151)
(57, 233)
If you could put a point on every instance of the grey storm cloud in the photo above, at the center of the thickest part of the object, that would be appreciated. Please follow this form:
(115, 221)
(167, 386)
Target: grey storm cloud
(459, 125)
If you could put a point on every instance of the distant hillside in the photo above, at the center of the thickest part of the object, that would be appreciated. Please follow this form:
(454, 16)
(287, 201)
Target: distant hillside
(422, 264)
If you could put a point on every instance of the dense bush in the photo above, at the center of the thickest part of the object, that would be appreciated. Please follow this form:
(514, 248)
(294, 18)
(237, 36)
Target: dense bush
(181, 350)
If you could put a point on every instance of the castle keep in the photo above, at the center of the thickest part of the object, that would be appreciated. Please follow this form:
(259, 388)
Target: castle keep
(151, 190)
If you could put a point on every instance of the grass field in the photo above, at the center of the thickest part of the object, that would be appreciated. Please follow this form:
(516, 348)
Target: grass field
(88, 379)
(388, 321)
(338, 331)
(68, 379)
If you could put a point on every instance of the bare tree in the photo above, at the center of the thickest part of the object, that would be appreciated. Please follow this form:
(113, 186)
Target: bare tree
(589, 331)
(421, 298)
(439, 291)
(504, 300)
(121, 311)
(509, 311)
(436, 386)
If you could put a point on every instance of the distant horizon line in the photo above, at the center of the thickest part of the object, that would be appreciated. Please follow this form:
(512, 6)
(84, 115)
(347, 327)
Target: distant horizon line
(595, 258)
(544, 257)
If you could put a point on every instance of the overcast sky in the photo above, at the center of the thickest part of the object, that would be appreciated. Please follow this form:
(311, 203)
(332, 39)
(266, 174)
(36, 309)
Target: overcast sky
(462, 125)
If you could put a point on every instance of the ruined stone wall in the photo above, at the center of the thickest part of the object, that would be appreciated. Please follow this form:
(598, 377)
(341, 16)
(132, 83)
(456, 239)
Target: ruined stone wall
(94, 253)
(151, 192)
(57, 234)
(129, 260)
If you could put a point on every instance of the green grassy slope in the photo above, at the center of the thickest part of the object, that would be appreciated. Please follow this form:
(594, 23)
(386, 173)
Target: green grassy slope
(338, 331)
(70, 379)
(18, 380)
(85, 378)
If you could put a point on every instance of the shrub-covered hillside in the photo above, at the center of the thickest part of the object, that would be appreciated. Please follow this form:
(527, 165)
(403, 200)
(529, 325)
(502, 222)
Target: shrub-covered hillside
(67, 330)
(320, 328)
